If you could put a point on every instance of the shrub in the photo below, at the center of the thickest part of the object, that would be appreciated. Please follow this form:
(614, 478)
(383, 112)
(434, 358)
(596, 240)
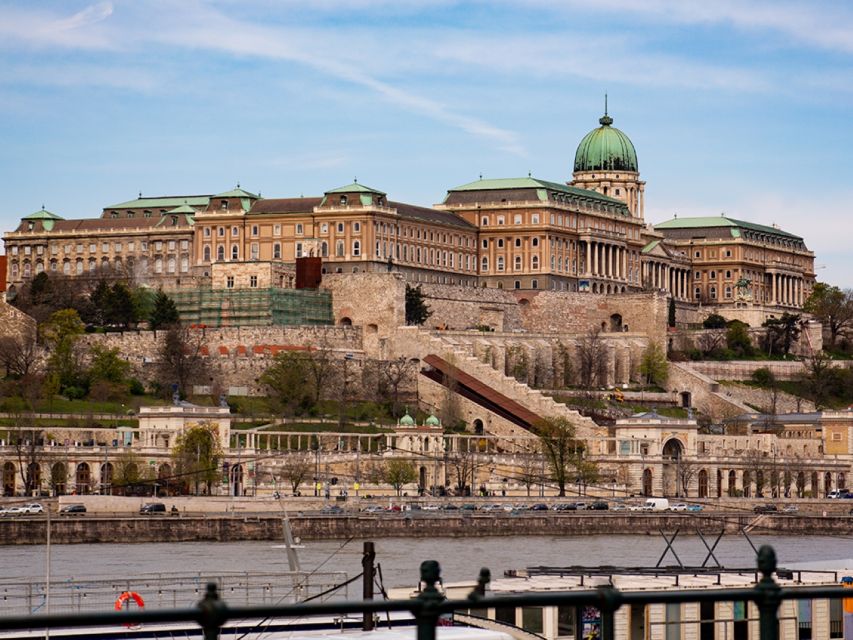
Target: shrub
(136, 387)
(714, 321)
(762, 376)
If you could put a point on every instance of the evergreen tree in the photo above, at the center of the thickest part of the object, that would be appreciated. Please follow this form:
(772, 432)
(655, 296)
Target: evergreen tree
(671, 314)
(164, 313)
(120, 309)
(417, 311)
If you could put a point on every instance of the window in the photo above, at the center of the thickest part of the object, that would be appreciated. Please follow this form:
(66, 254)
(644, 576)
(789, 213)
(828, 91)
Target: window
(517, 284)
(344, 201)
(206, 254)
(221, 232)
(255, 230)
(185, 264)
(185, 244)
(170, 265)
(728, 275)
(697, 254)
(534, 263)
(728, 292)
(300, 230)
(713, 293)
(146, 214)
(158, 265)
(485, 243)
(79, 268)
(324, 249)
(713, 275)
(356, 227)
(728, 253)
(500, 220)
(253, 281)
(235, 231)
(697, 293)
(484, 221)
(500, 243)
(171, 245)
(518, 242)
(229, 282)
(340, 227)
(339, 249)
(697, 275)
(500, 263)
(516, 219)
(66, 268)
(356, 248)
(535, 242)
(276, 230)
(534, 284)
(223, 204)
(276, 251)
(235, 252)
(324, 228)
(534, 218)
(220, 253)
(158, 246)
(484, 265)
(673, 621)
(517, 266)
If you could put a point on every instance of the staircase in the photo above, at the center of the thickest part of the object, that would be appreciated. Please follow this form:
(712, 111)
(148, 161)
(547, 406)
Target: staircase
(418, 343)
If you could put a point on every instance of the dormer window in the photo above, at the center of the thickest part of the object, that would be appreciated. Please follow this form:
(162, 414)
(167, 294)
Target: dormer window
(30, 226)
(223, 204)
(174, 221)
(114, 215)
(343, 201)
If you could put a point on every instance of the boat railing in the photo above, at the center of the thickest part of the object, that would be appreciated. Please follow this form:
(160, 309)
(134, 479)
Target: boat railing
(431, 609)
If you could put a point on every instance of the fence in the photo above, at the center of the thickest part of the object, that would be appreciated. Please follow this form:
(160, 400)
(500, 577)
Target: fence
(430, 606)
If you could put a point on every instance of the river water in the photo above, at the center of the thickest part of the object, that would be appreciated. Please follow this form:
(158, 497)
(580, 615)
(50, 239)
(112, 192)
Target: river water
(460, 558)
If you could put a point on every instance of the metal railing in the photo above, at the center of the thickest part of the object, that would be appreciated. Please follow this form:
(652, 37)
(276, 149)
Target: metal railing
(430, 606)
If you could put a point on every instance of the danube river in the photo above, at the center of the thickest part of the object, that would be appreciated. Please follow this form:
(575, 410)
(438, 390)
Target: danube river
(460, 558)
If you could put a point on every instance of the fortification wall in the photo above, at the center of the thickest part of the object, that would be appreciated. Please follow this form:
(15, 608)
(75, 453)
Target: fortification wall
(456, 307)
(12, 321)
(743, 369)
(705, 394)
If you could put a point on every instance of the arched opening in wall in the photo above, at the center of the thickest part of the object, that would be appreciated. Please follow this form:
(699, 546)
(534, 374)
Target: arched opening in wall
(647, 482)
(58, 478)
(759, 483)
(732, 484)
(164, 479)
(623, 289)
(842, 480)
(747, 484)
(478, 427)
(524, 303)
(107, 478)
(236, 483)
(604, 326)
(827, 483)
(685, 399)
(672, 453)
(83, 479)
(34, 478)
(814, 489)
(719, 483)
(703, 483)
(422, 481)
(609, 291)
(8, 479)
(595, 287)
(616, 322)
(801, 484)
(372, 328)
(345, 322)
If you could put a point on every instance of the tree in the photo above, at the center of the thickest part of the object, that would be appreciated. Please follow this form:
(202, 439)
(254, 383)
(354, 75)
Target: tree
(530, 471)
(107, 365)
(398, 473)
(26, 439)
(197, 456)
(287, 380)
(121, 310)
(464, 464)
(295, 468)
(737, 338)
(820, 379)
(686, 471)
(20, 354)
(164, 312)
(562, 449)
(653, 365)
(782, 332)
(832, 307)
(711, 341)
(60, 334)
(591, 356)
(417, 310)
(393, 375)
(128, 472)
(714, 321)
(181, 359)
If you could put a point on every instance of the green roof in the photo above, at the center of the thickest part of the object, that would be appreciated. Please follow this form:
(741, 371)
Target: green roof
(704, 222)
(606, 149)
(534, 183)
(162, 202)
(237, 193)
(356, 188)
(650, 247)
(184, 208)
(42, 214)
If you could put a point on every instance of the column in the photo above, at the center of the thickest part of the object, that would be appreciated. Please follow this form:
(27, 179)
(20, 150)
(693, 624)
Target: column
(595, 258)
(588, 258)
(624, 264)
(773, 292)
(612, 266)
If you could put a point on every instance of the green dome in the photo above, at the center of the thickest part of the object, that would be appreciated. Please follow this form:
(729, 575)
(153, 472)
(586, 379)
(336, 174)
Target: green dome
(407, 421)
(606, 149)
(432, 421)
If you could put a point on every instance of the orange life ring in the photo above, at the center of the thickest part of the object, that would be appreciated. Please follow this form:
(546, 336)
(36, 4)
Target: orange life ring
(128, 595)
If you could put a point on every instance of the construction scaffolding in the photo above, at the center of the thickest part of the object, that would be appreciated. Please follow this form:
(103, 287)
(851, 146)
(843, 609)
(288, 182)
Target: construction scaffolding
(253, 307)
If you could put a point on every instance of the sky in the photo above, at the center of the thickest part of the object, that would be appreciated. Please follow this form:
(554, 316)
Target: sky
(734, 107)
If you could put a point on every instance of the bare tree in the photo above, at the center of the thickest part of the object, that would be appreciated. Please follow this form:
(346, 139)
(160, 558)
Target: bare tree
(561, 448)
(464, 465)
(181, 359)
(393, 375)
(530, 470)
(591, 359)
(20, 355)
(686, 470)
(323, 365)
(295, 468)
(710, 340)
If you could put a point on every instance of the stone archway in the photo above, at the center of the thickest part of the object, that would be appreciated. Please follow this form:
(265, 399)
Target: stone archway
(703, 483)
(236, 476)
(107, 478)
(345, 322)
(59, 478)
(478, 427)
(616, 322)
(34, 478)
(732, 483)
(827, 483)
(673, 451)
(164, 478)
(82, 479)
(647, 482)
(9, 479)
(422, 473)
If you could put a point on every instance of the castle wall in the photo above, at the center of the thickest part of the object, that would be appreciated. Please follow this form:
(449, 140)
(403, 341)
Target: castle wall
(12, 321)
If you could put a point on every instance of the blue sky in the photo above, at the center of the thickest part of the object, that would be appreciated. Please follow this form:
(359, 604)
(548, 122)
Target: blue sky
(735, 107)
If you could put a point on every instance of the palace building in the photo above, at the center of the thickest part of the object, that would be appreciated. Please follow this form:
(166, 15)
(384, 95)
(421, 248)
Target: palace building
(586, 235)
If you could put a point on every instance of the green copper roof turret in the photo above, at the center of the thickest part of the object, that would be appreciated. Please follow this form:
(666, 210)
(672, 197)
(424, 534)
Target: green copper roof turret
(606, 149)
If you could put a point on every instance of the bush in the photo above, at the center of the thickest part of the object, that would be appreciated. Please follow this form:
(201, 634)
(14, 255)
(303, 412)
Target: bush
(714, 321)
(136, 387)
(74, 393)
(737, 338)
(763, 376)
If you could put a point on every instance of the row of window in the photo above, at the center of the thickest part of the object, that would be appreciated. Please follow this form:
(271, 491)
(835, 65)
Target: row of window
(500, 264)
(78, 267)
(105, 247)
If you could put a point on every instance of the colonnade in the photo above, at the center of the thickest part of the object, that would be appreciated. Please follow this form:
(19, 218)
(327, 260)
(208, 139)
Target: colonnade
(786, 290)
(606, 260)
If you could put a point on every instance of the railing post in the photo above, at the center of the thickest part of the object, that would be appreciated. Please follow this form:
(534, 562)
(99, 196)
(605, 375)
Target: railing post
(610, 601)
(767, 595)
(212, 612)
(427, 613)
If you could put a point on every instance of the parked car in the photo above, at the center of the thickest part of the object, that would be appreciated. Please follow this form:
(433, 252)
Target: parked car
(431, 507)
(837, 494)
(539, 506)
(33, 507)
(695, 508)
(765, 508)
(679, 506)
(619, 507)
(636, 507)
(580, 506)
(567, 506)
(374, 508)
(2, 511)
(331, 509)
(656, 504)
(17, 510)
(73, 509)
(152, 507)
(598, 505)
(790, 508)
(450, 507)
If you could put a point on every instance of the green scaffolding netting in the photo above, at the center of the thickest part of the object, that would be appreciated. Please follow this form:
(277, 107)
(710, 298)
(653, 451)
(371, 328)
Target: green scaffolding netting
(244, 307)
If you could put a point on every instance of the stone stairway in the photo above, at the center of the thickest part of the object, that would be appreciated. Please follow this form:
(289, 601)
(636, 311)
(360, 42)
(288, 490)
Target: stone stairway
(417, 343)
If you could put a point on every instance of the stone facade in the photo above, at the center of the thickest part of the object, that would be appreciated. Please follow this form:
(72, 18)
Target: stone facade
(12, 321)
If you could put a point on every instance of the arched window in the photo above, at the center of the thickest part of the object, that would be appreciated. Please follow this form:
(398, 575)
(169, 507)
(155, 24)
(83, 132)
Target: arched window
(324, 249)
(185, 264)
(170, 265)
(356, 248)
(276, 251)
(500, 263)
(339, 249)
(534, 262)
(220, 253)
(158, 265)
(235, 252)
(206, 254)
(66, 268)
(484, 264)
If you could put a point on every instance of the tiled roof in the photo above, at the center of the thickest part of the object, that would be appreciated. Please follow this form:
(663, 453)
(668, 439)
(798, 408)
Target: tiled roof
(501, 184)
(285, 205)
(356, 188)
(704, 222)
(162, 202)
(425, 214)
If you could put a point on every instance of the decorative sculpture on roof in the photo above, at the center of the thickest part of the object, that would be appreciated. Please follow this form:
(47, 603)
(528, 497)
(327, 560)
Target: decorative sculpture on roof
(744, 289)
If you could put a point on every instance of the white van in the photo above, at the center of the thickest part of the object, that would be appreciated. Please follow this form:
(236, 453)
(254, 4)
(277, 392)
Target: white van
(656, 504)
